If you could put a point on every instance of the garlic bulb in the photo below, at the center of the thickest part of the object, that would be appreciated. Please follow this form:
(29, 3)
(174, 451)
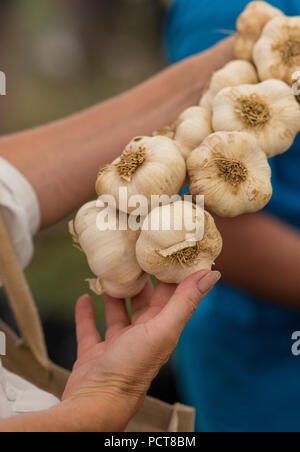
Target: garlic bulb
(269, 111)
(250, 25)
(148, 166)
(277, 53)
(190, 129)
(110, 253)
(174, 253)
(232, 172)
(233, 74)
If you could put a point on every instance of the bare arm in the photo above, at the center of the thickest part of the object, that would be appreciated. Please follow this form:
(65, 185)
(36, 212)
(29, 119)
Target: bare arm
(94, 416)
(61, 160)
(261, 255)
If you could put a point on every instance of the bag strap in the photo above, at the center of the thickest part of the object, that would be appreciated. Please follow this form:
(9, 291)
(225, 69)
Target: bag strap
(158, 416)
(21, 299)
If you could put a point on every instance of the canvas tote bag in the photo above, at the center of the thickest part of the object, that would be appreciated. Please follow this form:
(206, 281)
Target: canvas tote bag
(27, 355)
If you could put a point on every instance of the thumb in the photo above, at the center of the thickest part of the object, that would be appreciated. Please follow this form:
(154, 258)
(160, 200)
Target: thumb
(186, 300)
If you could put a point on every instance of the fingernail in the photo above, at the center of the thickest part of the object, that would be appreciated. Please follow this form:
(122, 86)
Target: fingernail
(209, 281)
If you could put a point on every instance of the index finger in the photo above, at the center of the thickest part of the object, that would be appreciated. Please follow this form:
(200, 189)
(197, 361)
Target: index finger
(86, 330)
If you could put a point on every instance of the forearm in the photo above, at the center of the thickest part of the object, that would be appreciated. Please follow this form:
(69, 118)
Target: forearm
(261, 255)
(61, 160)
(89, 415)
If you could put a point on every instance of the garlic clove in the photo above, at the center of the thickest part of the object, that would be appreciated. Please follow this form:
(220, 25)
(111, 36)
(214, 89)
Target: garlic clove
(189, 130)
(116, 290)
(232, 173)
(193, 126)
(148, 166)
(232, 74)
(277, 53)
(268, 110)
(171, 253)
(110, 253)
(250, 26)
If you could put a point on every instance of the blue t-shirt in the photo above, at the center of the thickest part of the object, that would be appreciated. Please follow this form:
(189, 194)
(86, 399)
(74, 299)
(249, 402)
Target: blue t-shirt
(234, 362)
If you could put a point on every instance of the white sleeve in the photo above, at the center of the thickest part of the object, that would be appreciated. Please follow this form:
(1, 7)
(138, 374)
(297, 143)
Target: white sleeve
(20, 210)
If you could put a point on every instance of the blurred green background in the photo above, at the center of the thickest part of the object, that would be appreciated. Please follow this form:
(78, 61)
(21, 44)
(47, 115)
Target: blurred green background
(60, 57)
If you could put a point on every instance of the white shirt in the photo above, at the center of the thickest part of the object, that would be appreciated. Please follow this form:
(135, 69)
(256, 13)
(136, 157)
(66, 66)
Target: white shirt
(21, 212)
(17, 396)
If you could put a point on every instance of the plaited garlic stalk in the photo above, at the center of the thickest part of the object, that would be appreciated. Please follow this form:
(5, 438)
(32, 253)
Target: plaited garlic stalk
(269, 111)
(110, 254)
(189, 130)
(250, 25)
(233, 74)
(148, 166)
(172, 253)
(232, 172)
(277, 53)
(296, 85)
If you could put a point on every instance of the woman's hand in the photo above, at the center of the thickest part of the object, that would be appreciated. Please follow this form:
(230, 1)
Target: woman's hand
(111, 378)
(117, 371)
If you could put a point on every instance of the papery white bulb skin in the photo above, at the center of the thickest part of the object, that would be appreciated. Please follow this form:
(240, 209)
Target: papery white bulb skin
(277, 53)
(172, 253)
(233, 74)
(232, 172)
(110, 253)
(268, 110)
(148, 166)
(250, 25)
(190, 129)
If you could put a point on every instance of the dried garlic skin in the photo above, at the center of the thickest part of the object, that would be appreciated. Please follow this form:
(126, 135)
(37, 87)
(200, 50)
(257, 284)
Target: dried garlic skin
(232, 172)
(250, 26)
(277, 53)
(172, 255)
(110, 254)
(148, 166)
(233, 74)
(268, 110)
